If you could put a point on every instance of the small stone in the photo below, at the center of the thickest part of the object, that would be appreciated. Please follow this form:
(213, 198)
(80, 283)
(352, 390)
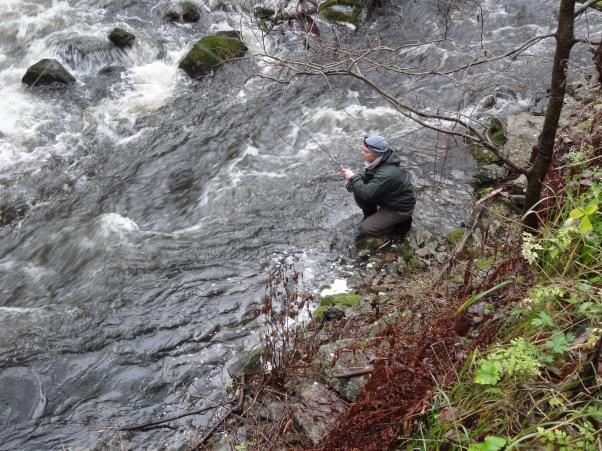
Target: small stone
(520, 183)
(489, 102)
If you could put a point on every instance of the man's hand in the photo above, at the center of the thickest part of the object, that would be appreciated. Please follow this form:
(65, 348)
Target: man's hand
(347, 173)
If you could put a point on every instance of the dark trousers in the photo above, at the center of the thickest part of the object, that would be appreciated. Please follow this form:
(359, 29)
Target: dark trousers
(382, 220)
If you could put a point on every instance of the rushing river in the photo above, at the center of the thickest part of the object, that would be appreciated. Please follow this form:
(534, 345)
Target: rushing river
(138, 204)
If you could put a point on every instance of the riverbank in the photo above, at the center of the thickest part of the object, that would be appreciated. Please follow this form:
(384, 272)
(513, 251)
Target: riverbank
(479, 338)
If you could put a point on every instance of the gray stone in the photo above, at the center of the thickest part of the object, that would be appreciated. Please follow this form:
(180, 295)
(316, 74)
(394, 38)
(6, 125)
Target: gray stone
(349, 388)
(318, 410)
(519, 183)
(427, 251)
(47, 72)
(489, 102)
(487, 174)
(441, 257)
(248, 363)
(418, 237)
(522, 132)
(270, 411)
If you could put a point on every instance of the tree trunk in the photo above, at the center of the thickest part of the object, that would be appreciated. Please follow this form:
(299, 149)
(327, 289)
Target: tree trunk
(545, 144)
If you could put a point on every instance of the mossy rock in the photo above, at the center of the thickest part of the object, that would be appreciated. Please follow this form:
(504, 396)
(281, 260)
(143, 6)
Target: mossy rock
(341, 11)
(47, 72)
(345, 299)
(121, 38)
(209, 53)
(495, 132)
(482, 155)
(328, 313)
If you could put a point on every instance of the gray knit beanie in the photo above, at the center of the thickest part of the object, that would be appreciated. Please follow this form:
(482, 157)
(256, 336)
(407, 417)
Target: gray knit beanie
(378, 145)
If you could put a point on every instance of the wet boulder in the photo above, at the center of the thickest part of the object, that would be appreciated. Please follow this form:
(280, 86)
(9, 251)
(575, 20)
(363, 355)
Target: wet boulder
(185, 12)
(47, 72)
(209, 53)
(121, 38)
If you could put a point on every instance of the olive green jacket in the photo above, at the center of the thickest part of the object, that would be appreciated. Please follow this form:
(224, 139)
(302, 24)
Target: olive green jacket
(387, 185)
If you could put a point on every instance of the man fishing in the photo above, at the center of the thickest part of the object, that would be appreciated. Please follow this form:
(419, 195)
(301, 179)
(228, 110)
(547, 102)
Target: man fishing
(384, 191)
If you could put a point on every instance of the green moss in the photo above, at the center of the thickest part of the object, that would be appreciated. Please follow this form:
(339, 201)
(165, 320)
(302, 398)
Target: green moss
(326, 286)
(482, 155)
(405, 249)
(414, 263)
(455, 236)
(484, 263)
(495, 133)
(345, 299)
(483, 191)
(210, 52)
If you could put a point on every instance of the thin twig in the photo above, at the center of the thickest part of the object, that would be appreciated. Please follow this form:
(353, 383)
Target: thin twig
(145, 426)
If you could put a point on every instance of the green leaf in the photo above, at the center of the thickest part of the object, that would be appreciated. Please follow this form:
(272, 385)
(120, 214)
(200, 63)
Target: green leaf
(488, 373)
(585, 226)
(590, 209)
(542, 320)
(576, 213)
(560, 343)
(491, 443)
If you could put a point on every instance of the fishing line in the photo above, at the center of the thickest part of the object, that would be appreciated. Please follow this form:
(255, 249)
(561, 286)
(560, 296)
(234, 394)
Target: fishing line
(328, 154)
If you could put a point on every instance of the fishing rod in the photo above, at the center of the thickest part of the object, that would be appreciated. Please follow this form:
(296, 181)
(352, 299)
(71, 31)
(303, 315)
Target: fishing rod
(328, 154)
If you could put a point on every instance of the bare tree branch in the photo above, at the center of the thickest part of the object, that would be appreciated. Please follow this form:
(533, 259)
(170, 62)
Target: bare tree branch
(583, 7)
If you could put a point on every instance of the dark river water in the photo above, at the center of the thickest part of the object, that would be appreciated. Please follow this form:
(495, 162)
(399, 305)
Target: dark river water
(138, 205)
